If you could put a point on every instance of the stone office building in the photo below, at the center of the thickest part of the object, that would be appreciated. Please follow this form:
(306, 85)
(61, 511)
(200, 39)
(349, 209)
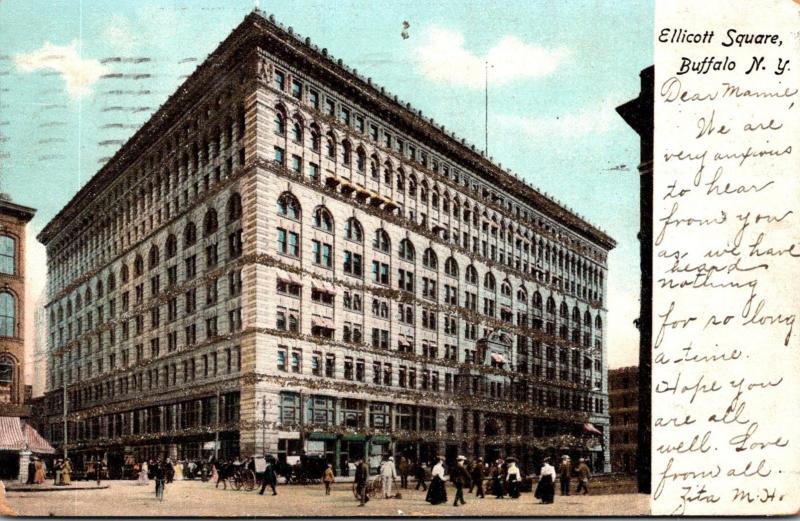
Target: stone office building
(623, 406)
(287, 259)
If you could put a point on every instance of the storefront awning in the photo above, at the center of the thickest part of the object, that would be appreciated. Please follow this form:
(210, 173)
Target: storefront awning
(497, 357)
(36, 443)
(353, 437)
(381, 439)
(11, 436)
(321, 436)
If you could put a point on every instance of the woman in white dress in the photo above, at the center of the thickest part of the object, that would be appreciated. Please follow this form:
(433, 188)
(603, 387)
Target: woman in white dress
(143, 479)
(178, 470)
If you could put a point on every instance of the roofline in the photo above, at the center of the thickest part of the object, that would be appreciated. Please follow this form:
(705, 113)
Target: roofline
(257, 25)
(17, 210)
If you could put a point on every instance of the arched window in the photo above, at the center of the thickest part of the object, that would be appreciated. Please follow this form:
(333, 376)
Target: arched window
(346, 152)
(423, 192)
(387, 173)
(598, 322)
(87, 296)
(537, 300)
(234, 207)
(8, 314)
(551, 305)
(330, 146)
(587, 318)
(60, 313)
(472, 274)
(280, 123)
(576, 315)
(112, 282)
(152, 257)
(138, 266)
(361, 159)
(381, 241)
(99, 288)
(78, 302)
(451, 424)
(373, 168)
(435, 199)
(189, 235)
(522, 296)
(315, 141)
(451, 267)
(171, 246)
(401, 180)
(297, 132)
(429, 259)
(8, 255)
(288, 206)
(505, 288)
(563, 310)
(412, 186)
(406, 250)
(323, 219)
(353, 230)
(489, 282)
(210, 223)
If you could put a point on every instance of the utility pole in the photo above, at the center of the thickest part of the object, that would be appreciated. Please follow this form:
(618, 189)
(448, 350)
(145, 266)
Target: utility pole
(63, 377)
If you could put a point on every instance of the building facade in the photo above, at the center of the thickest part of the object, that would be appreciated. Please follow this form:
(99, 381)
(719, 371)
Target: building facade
(623, 405)
(14, 219)
(287, 259)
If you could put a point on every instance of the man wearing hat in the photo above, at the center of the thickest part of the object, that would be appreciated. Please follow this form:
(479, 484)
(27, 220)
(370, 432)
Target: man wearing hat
(361, 477)
(583, 477)
(478, 473)
(564, 471)
(388, 475)
(460, 478)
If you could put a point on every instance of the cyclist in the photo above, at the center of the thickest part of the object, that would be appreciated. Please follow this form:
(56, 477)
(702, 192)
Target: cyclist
(159, 476)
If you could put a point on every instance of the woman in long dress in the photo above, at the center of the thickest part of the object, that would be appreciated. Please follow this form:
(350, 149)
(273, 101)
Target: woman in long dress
(436, 491)
(39, 475)
(498, 483)
(66, 472)
(178, 470)
(545, 490)
(143, 478)
(513, 478)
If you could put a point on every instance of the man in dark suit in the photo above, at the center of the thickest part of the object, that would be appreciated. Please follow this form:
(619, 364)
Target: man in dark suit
(460, 478)
(361, 477)
(269, 476)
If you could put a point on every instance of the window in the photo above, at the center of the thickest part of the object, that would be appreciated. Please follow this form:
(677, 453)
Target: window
(381, 241)
(189, 239)
(297, 89)
(489, 282)
(380, 273)
(8, 255)
(323, 219)
(405, 280)
(313, 98)
(322, 253)
(279, 155)
(353, 230)
(234, 207)
(451, 267)
(280, 80)
(210, 222)
(407, 250)
(353, 264)
(429, 259)
(288, 206)
(288, 242)
(8, 314)
(472, 275)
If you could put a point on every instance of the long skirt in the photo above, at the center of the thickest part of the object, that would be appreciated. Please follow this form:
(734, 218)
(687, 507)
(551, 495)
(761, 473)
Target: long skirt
(498, 488)
(143, 479)
(545, 490)
(178, 471)
(513, 488)
(436, 492)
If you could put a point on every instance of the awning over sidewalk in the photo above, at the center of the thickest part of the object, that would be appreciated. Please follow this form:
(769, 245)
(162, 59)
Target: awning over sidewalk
(591, 429)
(11, 436)
(17, 435)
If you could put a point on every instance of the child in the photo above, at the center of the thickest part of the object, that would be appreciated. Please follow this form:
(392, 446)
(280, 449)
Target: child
(327, 478)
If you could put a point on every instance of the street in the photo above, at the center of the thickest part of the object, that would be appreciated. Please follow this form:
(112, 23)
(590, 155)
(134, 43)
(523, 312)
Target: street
(194, 498)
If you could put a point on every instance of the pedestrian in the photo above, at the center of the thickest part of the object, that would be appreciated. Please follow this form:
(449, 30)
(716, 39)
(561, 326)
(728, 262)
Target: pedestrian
(498, 481)
(345, 467)
(513, 478)
(327, 478)
(98, 471)
(583, 477)
(144, 471)
(545, 489)
(222, 474)
(40, 472)
(179, 470)
(169, 471)
(57, 472)
(159, 476)
(361, 476)
(269, 478)
(405, 469)
(419, 475)
(564, 471)
(66, 472)
(460, 478)
(437, 493)
(388, 475)
(478, 472)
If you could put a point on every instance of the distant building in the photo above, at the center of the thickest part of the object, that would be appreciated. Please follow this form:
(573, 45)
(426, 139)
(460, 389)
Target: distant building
(39, 376)
(623, 398)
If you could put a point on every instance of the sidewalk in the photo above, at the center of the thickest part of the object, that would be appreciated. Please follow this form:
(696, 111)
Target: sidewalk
(49, 487)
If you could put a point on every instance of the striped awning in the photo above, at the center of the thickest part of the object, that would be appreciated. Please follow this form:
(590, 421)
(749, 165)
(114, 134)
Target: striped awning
(324, 287)
(11, 436)
(36, 443)
(322, 322)
(286, 276)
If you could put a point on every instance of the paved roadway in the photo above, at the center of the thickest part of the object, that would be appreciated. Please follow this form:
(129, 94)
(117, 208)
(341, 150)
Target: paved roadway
(194, 498)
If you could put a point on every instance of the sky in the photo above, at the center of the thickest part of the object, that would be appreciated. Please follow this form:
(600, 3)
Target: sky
(77, 78)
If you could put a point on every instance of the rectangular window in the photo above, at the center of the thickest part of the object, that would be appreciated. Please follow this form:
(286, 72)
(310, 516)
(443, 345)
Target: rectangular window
(313, 171)
(297, 89)
(313, 98)
(280, 156)
(280, 80)
(297, 164)
(353, 264)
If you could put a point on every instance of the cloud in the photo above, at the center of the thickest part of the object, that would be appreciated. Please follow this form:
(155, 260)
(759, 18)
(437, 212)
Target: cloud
(442, 58)
(120, 34)
(79, 73)
(595, 119)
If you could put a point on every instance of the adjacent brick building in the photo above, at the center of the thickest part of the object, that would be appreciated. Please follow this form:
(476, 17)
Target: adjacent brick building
(623, 405)
(287, 258)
